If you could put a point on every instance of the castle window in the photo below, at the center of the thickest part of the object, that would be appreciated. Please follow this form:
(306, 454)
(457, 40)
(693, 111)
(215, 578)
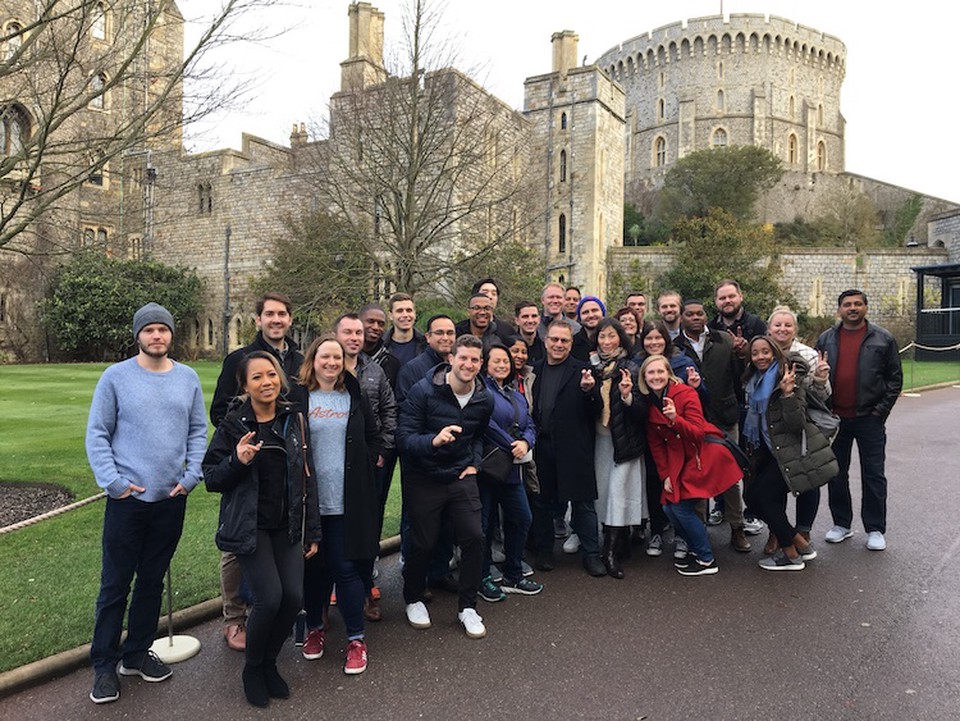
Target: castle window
(562, 228)
(561, 280)
(98, 92)
(563, 166)
(720, 70)
(821, 156)
(663, 80)
(97, 174)
(660, 152)
(793, 107)
(209, 333)
(720, 100)
(14, 130)
(135, 249)
(792, 149)
(14, 40)
(719, 138)
(101, 237)
(563, 121)
(820, 115)
(86, 240)
(3, 307)
(98, 28)
(661, 109)
(205, 196)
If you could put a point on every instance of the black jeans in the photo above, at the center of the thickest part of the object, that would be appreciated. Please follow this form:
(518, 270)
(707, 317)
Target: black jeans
(871, 436)
(583, 516)
(427, 500)
(274, 572)
(767, 494)
(138, 538)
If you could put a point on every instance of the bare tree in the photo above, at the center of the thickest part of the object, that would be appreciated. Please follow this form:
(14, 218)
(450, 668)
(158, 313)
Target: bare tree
(423, 167)
(87, 83)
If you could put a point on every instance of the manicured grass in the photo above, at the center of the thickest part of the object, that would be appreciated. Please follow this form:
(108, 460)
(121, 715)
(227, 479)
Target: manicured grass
(917, 374)
(50, 572)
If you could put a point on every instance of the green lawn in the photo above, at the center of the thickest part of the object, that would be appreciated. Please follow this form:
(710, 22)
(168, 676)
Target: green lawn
(49, 572)
(917, 374)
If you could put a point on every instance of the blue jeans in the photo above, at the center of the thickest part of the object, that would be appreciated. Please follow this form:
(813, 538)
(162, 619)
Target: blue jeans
(139, 539)
(686, 521)
(512, 498)
(329, 567)
(871, 437)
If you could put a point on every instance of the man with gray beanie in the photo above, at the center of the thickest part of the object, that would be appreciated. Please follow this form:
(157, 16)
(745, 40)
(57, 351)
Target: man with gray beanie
(146, 436)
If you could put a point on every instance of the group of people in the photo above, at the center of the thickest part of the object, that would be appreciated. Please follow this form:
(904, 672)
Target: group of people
(627, 423)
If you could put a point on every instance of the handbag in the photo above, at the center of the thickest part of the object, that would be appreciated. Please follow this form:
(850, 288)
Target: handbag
(496, 464)
(820, 414)
(739, 455)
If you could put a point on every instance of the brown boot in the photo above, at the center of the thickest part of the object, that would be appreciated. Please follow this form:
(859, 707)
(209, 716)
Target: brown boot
(739, 540)
(771, 546)
(236, 635)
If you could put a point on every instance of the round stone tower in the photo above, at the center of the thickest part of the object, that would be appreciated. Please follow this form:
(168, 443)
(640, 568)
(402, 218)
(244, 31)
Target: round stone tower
(741, 80)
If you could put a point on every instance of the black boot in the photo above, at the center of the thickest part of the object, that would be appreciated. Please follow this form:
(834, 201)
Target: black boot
(610, 555)
(276, 686)
(255, 686)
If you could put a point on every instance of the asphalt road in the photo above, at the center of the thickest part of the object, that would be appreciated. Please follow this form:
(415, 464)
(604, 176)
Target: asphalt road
(857, 635)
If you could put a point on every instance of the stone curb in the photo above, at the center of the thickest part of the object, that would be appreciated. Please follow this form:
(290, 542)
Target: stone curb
(47, 669)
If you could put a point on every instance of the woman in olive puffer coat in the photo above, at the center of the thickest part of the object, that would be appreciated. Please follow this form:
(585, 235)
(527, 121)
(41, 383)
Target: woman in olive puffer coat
(787, 452)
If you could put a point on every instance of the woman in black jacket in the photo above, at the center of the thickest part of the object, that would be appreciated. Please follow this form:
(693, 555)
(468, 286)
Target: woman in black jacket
(268, 512)
(344, 444)
(620, 443)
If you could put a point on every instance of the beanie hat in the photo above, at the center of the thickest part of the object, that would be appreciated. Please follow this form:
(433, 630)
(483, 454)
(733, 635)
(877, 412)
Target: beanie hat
(151, 313)
(593, 298)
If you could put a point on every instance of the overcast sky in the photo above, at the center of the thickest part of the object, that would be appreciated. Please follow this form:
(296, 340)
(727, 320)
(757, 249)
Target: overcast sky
(897, 97)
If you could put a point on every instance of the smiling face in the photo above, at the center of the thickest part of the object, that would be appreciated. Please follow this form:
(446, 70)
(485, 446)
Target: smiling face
(481, 312)
(350, 334)
(761, 354)
(656, 375)
(374, 323)
(262, 381)
(590, 314)
(729, 301)
(608, 340)
(155, 340)
(629, 323)
(552, 301)
(403, 315)
(654, 343)
(328, 363)
(528, 320)
(853, 311)
(669, 308)
(570, 299)
(559, 343)
(466, 363)
(499, 364)
(274, 321)
(520, 354)
(782, 329)
(441, 336)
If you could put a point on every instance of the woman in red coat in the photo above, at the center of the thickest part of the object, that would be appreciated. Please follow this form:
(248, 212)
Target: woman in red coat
(690, 468)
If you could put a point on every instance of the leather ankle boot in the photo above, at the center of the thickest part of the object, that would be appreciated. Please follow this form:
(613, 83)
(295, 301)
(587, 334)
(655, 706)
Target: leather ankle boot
(738, 540)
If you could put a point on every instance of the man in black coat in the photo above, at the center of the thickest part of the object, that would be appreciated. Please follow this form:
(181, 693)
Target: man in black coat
(440, 437)
(712, 352)
(566, 403)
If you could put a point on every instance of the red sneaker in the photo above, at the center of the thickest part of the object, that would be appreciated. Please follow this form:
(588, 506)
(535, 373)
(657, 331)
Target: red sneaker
(356, 658)
(375, 593)
(313, 645)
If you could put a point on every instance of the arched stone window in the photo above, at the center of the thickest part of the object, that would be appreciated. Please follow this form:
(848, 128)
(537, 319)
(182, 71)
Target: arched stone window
(820, 115)
(792, 149)
(720, 70)
(98, 91)
(13, 32)
(14, 129)
(719, 138)
(821, 156)
(563, 166)
(562, 233)
(792, 107)
(660, 151)
(563, 121)
(98, 26)
(561, 279)
(720, 100)
(210, 336)
(661, 110)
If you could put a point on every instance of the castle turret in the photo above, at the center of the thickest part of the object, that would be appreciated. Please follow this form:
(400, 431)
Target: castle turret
(564, 51)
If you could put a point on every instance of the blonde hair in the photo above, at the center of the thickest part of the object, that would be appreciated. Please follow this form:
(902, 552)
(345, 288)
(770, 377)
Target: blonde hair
(782, 310)
(308, 377)
(642, 383)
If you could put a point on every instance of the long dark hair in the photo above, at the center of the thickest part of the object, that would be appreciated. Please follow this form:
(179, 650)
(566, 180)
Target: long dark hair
(486, 357)
(778, 356)
(661, 328)
(610, 322)
(262, 355)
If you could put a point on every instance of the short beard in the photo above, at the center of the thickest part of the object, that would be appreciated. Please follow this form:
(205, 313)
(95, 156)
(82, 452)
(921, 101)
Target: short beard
(733, 315)
(152, 354)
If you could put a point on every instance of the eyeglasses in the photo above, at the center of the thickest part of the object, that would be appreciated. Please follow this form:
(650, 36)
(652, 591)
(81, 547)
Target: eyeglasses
(564, 341)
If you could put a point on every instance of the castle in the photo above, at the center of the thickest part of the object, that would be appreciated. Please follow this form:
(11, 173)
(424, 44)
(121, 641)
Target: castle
(589, 136)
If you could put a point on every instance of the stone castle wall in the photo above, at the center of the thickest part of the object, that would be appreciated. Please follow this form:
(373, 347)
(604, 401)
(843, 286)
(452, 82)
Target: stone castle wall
(815, 276)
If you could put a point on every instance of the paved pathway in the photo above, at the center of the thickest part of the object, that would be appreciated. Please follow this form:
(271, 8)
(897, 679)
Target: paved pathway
(858, 635)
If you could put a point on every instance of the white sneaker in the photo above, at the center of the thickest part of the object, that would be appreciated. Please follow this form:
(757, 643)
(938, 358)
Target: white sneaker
(681, 550)
(572, 544)
(417, 615)
(655, 546)
(752, 526)
(838, 534)
(472, 623)
(876, 541)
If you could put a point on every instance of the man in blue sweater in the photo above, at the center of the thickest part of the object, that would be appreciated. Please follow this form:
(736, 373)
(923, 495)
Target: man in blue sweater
(146, 436)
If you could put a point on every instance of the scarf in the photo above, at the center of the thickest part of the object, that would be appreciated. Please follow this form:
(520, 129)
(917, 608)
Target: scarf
(759, 389)
(607, 374)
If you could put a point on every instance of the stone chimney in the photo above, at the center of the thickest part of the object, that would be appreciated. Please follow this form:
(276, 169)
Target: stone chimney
(298, 137)
(364, 64)
(564, 51)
